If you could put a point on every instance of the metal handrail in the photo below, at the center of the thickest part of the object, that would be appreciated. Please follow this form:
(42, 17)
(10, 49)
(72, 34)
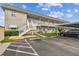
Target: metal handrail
(26, 27)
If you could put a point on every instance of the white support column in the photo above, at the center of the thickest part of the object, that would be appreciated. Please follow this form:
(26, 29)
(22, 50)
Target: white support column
(28, 24)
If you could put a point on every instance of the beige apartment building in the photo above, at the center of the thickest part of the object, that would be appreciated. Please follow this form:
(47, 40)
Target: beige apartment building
(25, 20)
(1, 33)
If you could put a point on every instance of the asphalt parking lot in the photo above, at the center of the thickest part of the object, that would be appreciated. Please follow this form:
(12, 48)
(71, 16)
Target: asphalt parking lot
(61, 46)
(21, 48)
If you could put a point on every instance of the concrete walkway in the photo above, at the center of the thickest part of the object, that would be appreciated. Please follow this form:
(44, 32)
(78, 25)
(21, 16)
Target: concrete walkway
(22, 37)
(3, 47)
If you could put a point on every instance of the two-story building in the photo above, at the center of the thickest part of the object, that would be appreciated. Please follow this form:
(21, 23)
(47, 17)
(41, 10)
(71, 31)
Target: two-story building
(26, 20)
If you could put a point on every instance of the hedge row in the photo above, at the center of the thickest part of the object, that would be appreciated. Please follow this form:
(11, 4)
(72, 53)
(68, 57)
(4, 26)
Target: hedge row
(11, 33)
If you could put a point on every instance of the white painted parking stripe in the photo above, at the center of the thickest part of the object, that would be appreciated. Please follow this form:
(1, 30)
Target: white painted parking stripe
(19, 43)
(20, 46)
(27, 43)
(22, 52)
(32, 47)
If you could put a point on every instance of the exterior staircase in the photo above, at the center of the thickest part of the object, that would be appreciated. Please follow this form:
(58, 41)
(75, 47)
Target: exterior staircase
(26, 28)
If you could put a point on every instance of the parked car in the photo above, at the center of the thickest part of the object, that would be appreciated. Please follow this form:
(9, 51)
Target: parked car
(71, 33)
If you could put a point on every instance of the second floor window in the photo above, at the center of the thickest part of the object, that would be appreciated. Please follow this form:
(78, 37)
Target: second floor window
(14, 13)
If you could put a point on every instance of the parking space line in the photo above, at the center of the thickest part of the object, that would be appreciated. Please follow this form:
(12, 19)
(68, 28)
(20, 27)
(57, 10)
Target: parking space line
(19, 43)
(32, 48)
(28, 45)
(20, 46)
(22, 52)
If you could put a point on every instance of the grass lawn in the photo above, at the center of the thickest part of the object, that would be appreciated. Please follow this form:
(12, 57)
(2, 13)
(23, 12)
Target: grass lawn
(40, 36)
(47, 35)
(7, 39)
(17, 38)
(50, 34)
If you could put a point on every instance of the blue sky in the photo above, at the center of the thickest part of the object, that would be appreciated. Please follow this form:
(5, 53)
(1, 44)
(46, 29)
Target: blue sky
(65, 11)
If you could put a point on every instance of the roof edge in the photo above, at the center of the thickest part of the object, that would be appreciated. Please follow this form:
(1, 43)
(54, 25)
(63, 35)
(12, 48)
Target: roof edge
(35, 13)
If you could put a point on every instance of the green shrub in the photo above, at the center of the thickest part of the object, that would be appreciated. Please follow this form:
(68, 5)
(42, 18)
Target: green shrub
(50, 34)
(11, 33)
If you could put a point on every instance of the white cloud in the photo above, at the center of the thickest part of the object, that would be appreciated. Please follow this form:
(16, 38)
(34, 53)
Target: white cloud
(56, 4)
(47, 6)
(56, 14)
(76, 3)
(40, 5)
(72, 11)
(69, 11)
(69, 15)
(24, 6)
(76, 10)
(1, 17)
(43, 5)
(1, 14)
(2, 20)
(45, 9)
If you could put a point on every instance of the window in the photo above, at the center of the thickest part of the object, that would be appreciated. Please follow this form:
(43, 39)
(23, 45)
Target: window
(13, 13)
(13, 26)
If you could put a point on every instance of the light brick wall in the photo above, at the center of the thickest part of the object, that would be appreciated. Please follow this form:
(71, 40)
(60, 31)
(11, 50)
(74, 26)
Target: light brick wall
(1, 33)
(19, 19)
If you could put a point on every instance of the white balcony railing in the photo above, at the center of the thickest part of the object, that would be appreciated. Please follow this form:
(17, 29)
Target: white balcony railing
(32, 26)
(25, 28)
